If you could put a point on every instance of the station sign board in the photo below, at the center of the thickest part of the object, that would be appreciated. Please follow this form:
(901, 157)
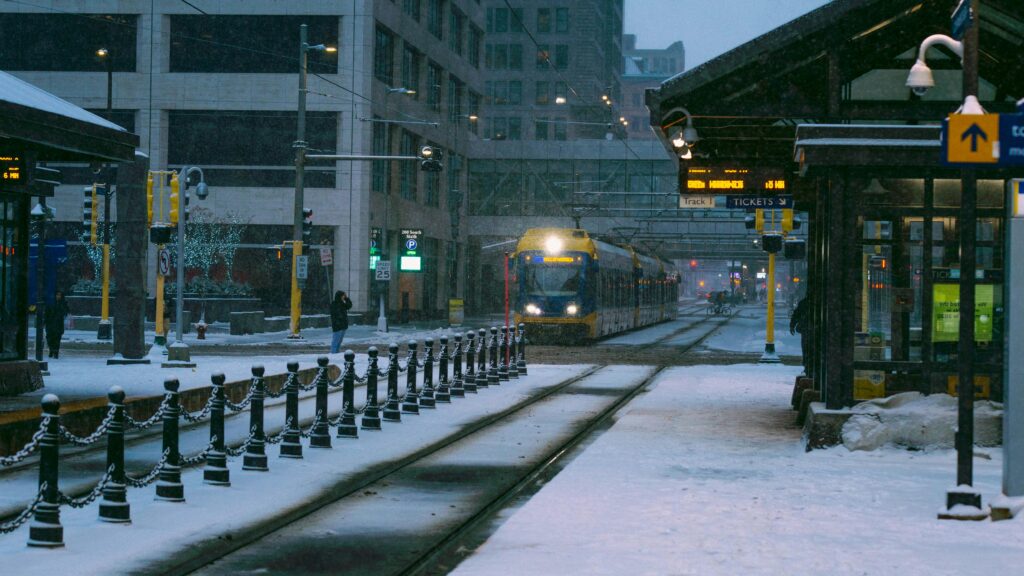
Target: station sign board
(410, 259)
(718, 180)
(983, 140)
(759, 202)
(13, 172)
(696, 201)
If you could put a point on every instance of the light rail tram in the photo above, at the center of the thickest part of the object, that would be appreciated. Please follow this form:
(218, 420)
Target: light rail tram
(569, 287)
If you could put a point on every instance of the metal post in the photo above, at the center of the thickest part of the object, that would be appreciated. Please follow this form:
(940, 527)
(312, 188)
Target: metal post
(169, 487)
(410, 404)
(522, 349)
(503, 353)
(481, 366)
(103, 330)
(457, 390)
(300, 167)
(492, 373)
(392, 413)
(114, 506)
(427, 399)
(371, 414)
(513, 364)
(769, 355)
(291, 440)
(469, 385)
(320, 436)
(45, 530)
(443, 393)
(255, 457)
(216, 470)
(1013, 382)
(347, 427)
(40, 288)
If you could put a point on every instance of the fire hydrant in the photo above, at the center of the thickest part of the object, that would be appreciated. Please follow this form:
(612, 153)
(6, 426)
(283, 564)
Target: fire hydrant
(201, 331)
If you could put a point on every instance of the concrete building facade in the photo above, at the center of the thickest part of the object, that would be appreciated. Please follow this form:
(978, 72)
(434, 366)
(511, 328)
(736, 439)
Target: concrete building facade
(645, 68)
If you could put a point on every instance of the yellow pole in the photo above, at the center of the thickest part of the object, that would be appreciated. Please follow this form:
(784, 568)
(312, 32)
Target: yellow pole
(105, 303)
(296, 292)
(770, 332)
(160, 303)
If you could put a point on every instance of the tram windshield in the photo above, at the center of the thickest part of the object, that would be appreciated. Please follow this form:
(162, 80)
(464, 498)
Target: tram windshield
(541, 280)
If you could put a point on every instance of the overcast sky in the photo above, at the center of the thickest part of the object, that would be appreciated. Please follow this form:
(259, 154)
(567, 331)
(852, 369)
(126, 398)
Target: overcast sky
(708, 27)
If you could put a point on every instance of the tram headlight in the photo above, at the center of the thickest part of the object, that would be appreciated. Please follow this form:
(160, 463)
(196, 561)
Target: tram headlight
(571, 309)
(532, 309)
(553, 245)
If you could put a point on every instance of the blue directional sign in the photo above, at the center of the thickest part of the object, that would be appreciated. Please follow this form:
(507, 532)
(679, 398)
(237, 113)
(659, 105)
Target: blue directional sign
(1011, 139)
(962, 19)
(759, 202)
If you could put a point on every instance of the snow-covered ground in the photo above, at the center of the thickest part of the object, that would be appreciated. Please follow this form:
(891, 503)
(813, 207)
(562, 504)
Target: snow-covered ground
(746, 332)
(706, 475)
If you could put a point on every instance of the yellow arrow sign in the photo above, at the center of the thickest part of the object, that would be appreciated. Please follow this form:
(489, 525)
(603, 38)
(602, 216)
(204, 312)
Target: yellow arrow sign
(973, 138)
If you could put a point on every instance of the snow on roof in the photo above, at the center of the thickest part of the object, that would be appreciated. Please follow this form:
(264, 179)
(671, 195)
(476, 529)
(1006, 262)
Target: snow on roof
(867, 142)
(17, 91)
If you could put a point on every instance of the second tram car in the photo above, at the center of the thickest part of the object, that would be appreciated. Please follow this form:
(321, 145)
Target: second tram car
(569, 286)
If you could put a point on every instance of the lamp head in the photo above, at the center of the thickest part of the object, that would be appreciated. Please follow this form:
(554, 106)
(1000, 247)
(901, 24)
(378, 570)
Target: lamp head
(690, 133)
(677, 137)
(685, 153)
(102, 52)
(920, 78)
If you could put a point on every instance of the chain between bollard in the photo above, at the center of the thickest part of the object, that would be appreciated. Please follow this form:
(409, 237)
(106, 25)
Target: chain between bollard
(29, 448)
(91, 496)
(198, 416)
(25, 515)
(150, 476)
(244, 403)
(156, 417)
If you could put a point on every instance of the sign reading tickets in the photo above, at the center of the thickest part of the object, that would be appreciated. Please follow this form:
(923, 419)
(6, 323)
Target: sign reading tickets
(946, 312)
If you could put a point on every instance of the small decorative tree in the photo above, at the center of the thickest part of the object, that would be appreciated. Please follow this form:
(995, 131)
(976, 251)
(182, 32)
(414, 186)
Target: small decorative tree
(210, 239)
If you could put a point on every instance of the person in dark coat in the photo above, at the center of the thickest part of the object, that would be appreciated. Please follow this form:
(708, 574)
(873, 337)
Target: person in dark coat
(339, 319)
(800, 321)
(56, 313)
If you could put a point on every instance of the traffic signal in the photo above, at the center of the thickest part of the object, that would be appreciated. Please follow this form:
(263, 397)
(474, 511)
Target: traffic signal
(89, 213)
(307, 225)
(771, 243)
(149, 199)
(693, 264)
(795, 249)
(431, 159)
(789, 221)
(175, 199)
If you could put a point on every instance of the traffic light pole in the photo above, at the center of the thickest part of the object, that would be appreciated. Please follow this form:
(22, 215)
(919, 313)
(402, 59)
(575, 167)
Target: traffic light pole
(103, 331)
(300, 169)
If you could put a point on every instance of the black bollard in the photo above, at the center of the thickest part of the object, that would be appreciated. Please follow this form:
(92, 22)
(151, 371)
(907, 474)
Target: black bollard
(256, 452)
(427, 393)
(291, 439)
(320, 435)
(481, 363)
(45, 530)
(371, 414)
(114, 505)
(347, 425)
(411, 402)
(392, 412)
(457, 390)
(469, 385)
(216, 470)
(522, 349)
(492, 371)
(169, 487)
(443, 393)
(513, 364)
(503, 354)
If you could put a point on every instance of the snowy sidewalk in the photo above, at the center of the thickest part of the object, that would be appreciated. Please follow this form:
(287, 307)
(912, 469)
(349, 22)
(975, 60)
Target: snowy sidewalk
(706, 475)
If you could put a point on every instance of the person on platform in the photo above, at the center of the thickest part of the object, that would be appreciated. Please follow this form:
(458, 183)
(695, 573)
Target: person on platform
(56, 314)
(339, 319)
(800, 321)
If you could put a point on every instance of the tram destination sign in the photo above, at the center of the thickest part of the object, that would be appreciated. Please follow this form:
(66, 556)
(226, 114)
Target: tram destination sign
(718, 180)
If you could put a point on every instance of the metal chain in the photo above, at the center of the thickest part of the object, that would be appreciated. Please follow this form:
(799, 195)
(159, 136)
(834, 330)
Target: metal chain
(29, 448)
(245, 445)
(316, 422)
(193, 460)
(91, 496)
(278, 394)
(27, 513)
(280, 435)
(132, 423)
(70, 438)
(193, 418)
(243, 404)
(151, 476)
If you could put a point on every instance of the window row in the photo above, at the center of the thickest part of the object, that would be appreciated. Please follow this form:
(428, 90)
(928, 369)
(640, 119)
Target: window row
(463, 37)
(412, 183)
(501, 20)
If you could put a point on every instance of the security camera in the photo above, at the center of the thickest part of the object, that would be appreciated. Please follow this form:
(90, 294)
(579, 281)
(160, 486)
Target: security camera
(202, 191)
(920, 78)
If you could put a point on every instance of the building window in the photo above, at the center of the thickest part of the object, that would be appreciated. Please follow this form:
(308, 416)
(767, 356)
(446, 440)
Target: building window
(432, 184)
(562, 56)
(515, 56)
(540, 128)
(407, 180)
(454, 99)
(412, 8)
(475, 36)
(240, 44)
(515, 92)
(542, 90)
(263, 143)
(411, 60)
(561, 20)
(544, 20)
(67, 42)
(381, 147)
(434, 86)
(435, 17)
(497, 128)
(384, 56)
(559, 129)
(456, 31)
(474, 109)
(543, 54)
(497, 20)
(561, 90)
(515, 128)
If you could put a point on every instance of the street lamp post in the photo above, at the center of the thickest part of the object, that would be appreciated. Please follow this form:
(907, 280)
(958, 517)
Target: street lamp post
(455, 205)
(103, 330)
(300, 146)
(178, 353)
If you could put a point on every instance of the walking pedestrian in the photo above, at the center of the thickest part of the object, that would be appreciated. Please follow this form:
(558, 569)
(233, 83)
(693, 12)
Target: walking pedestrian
(56, 314)
(800, 321)
(339, 319)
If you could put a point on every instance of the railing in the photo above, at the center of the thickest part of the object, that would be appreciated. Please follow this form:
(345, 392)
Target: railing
(507, 347)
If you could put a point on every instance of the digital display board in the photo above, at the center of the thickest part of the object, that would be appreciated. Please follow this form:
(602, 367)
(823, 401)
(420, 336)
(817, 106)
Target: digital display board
(12, 170)
(722, 180)
(410, 264)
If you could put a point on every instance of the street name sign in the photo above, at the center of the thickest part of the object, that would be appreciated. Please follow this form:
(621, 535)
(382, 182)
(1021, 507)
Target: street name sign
(759, 202)
(383, 272)
(696, 201)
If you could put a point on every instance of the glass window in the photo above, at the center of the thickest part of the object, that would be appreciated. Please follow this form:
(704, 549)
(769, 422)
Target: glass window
(543, 55)
(435, 17)
(515, 92)
(500, 57)
(434, 74)
(559, 129)
(544, 20)
(540, 128)
(456, 31)
(474, 108)
(561, 20)
(411, 60)
(542, 91)
(454, 98)
(474, 46)
(515, 56)
(515, 128)
(384, 56)
(381, 147)
(412, 8)
(249, 139)
(407, 180)
(251, 44)
(561, 90)
(43, 42)
(562, 56)
(499, 22)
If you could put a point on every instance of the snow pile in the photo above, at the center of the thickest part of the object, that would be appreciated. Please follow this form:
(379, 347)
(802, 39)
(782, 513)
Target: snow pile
(914, 420)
